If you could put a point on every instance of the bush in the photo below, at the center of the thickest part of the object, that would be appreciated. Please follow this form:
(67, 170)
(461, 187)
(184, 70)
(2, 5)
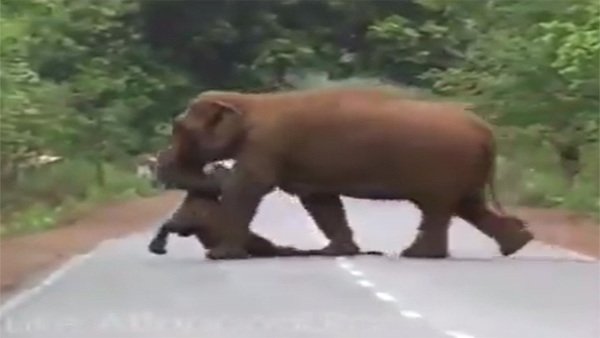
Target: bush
(528, 174)
(59, 193)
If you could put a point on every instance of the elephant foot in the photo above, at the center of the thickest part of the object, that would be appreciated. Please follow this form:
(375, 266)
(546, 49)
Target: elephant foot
(510, 233)
(157, 248)
(514, 243)
(412, 252)
(341, 248)
(427, 246)
(223, 252)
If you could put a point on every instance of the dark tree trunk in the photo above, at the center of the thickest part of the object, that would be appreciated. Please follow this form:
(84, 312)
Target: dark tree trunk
(570, 161)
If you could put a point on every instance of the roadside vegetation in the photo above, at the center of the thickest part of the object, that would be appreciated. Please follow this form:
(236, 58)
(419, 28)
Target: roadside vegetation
(60, 193)
(96, 83)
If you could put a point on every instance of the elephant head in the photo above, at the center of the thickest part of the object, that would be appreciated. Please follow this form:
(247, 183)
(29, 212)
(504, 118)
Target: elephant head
(211, 129)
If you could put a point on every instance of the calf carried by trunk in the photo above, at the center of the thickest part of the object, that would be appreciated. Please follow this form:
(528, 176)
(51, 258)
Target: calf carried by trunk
(200, 212)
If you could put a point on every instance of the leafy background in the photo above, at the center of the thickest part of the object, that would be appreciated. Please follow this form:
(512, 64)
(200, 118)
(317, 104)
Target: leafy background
(97, 82)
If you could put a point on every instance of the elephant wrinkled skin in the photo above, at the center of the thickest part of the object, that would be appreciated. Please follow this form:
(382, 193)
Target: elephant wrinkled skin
(362, 143)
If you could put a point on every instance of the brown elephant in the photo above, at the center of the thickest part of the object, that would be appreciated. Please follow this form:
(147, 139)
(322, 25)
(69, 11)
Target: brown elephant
(200, 210)
(359, 142)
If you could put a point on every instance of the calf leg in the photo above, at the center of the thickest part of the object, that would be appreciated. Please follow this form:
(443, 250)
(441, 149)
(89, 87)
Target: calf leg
(432, 239)
(509, 232)
(158, 244)
(328, 213)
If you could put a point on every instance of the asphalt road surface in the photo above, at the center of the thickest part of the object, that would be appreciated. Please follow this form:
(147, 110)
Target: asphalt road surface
(120, 290)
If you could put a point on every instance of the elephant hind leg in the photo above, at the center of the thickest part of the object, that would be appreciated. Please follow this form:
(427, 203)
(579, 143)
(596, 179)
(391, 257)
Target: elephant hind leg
(509, 232)
(328, 213)
(432, 239)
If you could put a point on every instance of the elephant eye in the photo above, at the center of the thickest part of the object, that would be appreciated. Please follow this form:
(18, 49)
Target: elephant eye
(215, 119)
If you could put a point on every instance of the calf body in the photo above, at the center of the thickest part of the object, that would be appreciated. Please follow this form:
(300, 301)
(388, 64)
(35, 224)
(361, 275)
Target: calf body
(200, 213)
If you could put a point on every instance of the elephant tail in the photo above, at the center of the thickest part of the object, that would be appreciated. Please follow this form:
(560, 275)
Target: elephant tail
(494, 197)
(491, 156)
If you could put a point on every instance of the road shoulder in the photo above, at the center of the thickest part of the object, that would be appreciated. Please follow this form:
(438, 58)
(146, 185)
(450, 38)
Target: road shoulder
(565, 229)
(25, 258)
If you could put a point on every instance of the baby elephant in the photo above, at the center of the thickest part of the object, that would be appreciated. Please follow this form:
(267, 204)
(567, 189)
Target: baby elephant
(199, 213)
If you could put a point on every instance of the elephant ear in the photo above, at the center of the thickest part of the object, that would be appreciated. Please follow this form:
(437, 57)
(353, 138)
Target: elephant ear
(224, 127)
(221, 110)
(209, 129)
(183, 145)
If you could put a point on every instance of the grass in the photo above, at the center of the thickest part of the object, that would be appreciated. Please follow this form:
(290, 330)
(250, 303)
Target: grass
(528, 174)
(60, 193)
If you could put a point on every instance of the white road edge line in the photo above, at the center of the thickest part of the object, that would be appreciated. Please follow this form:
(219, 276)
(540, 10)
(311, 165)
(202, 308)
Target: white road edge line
(458, 334)
(53, 277)
(27, 294)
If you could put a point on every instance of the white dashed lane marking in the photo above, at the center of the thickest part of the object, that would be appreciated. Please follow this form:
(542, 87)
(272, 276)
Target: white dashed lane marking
(411, 314)
(388, 298)
(356, 273)
(346, 265)
(365, 283)
(458, 334)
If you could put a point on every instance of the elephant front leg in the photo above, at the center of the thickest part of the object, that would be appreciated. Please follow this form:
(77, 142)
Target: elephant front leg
(241, 197)
(328, 213)
(432, 239)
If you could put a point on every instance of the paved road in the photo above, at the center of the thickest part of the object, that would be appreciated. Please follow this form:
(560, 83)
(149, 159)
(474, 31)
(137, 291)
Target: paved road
(119, 290)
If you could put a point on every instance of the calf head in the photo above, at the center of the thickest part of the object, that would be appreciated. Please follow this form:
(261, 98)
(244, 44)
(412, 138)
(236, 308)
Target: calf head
(198, 214)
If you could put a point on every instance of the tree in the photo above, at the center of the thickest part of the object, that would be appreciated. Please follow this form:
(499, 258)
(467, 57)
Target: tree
(535, 67)
(31, 107)
(77, 80)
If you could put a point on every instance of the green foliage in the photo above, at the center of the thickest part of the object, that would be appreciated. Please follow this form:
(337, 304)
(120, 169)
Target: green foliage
(63, 191)
(29, 104)
(542, 72)
(77, 83)
(527, 175)
(408, 49)
(98, 82)
(535, 66)
(75, 75)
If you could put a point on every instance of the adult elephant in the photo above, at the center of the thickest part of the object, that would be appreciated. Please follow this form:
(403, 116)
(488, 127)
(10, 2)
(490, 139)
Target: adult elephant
(358, 142)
